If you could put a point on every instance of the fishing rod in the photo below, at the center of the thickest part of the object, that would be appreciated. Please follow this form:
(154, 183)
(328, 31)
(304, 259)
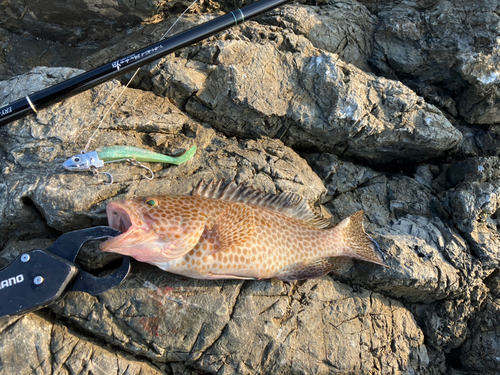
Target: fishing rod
(30, 104)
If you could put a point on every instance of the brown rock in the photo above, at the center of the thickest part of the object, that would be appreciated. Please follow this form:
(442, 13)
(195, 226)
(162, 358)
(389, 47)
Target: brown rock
(59, 350)
(247, 327)
(300, 79)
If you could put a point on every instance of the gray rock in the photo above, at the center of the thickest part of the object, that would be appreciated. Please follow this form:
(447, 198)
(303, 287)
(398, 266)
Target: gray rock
(339, 176)
(352, 187)
(473, 207)
(345, 28)
(451, 45)
(452, 285)
(478, 141)
(95, 20)
(479, 103)
(479, 169)
(35, 80)
(431, 311)
(493, 283)
(60, 351)
(36, 52)
(246, 327)
(311, 100)
(480, 352)
(431, 268)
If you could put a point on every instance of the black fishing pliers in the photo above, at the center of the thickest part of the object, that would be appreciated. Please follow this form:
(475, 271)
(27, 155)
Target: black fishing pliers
(37, 278)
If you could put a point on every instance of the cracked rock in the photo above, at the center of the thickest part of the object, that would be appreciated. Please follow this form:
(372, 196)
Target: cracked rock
(48, 347)
(447, 48)
(240, 327)
(311, 100)
(342, 27)
(287, 104)
(141, 119)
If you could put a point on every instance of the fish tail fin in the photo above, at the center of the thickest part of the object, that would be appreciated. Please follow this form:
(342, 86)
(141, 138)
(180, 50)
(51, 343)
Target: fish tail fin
(356, 243)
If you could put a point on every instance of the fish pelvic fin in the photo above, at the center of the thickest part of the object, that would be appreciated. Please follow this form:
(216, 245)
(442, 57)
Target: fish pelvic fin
(357, 243)
(233, 227)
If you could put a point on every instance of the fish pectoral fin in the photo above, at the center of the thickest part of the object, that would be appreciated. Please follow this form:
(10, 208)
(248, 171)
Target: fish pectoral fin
(215, 276)
(313, 269)
(177, 246)
(233, 227)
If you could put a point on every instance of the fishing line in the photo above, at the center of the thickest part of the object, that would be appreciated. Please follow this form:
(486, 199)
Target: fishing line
(126, 86)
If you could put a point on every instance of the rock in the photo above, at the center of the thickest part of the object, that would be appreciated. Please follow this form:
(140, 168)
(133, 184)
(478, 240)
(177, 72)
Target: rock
(35, 80)
(240, 327)
(287, 104)
(312, 100)
(480, 352)
(96, 20)
(340, 177)
(493, 283)
(352, 187)
(341, 27)
(474, 208)
(59, 350)
(449, 45)
(473, 205)
(479, 169)
(479, 103)
(479, 142)
(42, 52)
(430, 264)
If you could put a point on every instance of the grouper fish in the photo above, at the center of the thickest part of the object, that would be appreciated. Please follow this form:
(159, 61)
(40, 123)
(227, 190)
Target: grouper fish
(230, 231)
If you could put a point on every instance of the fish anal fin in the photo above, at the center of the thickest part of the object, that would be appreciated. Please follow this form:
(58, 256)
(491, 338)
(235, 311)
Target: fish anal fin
(217, 276)
(357, 243)
(312, 269)
(233, 227)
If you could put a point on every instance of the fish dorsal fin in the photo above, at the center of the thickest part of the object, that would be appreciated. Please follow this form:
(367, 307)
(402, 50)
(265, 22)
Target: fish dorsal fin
(290, 204)
(233, 227)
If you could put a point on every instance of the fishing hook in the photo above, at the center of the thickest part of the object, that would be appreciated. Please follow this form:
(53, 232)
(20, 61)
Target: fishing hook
(139, 164)
(95, 171)
(134, 162)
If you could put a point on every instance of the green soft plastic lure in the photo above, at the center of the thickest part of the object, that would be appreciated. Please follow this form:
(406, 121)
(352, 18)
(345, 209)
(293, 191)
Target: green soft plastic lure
(94, 160)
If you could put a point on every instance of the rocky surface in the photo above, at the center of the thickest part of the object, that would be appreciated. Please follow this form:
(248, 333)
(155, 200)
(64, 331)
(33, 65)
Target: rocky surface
(388, 107)
(458, 39)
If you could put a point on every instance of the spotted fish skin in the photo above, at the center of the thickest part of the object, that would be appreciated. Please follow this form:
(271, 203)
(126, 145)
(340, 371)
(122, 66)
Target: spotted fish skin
(235, 232)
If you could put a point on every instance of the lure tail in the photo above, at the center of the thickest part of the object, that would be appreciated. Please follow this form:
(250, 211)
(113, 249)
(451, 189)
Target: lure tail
(356, 243)
(184, 157)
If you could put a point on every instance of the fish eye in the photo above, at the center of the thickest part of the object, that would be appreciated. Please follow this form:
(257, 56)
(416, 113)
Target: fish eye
(151, 202)
(77, 159)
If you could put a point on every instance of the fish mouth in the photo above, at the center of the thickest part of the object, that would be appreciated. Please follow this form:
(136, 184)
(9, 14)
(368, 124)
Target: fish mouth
(128, 221)
(118, 217)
